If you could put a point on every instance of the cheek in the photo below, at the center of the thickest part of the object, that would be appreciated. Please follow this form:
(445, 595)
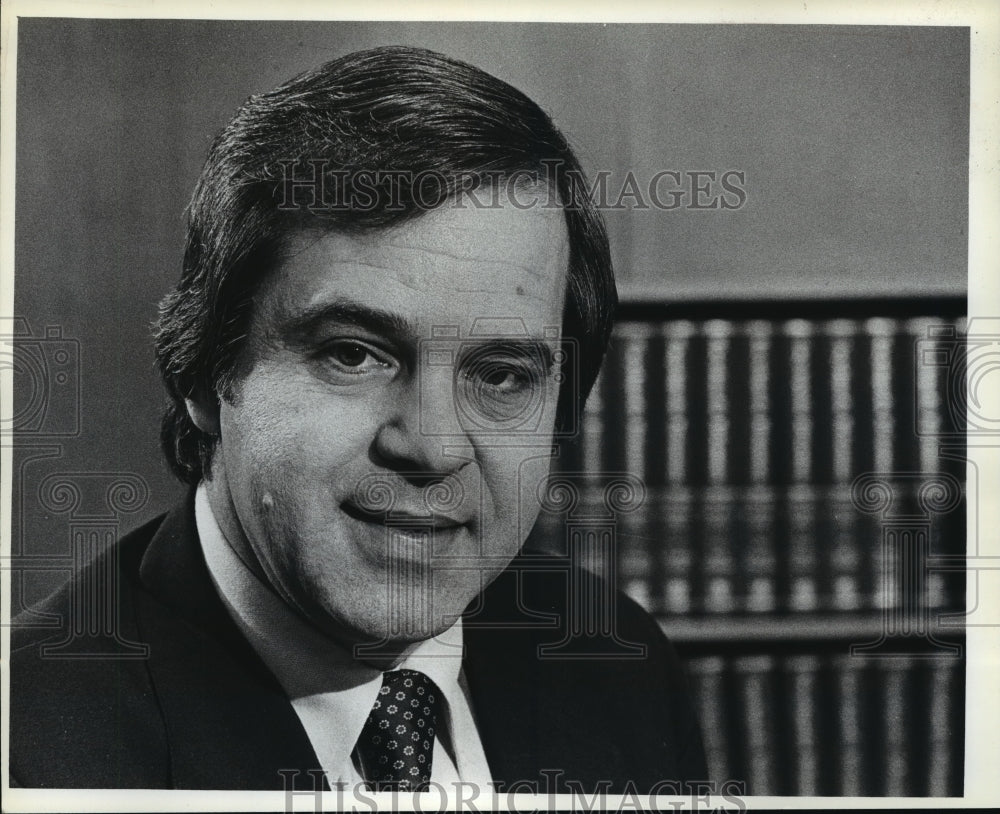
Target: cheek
(513, 478)
(283, 429)
(255, 436)
(262, 421)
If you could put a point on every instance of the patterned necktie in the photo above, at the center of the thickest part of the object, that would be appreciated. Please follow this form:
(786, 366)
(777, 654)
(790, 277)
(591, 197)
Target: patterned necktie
(397, 743)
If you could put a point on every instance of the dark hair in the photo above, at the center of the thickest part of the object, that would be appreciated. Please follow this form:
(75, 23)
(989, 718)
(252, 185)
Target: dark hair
(449, 125)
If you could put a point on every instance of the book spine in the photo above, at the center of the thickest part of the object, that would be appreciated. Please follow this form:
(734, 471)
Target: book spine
(678, 545)
(896, 725)
(755, 675)
(677, 551)
(757, 500)
(758, 504)
(880, 333)
(844, 540)
(803, 548)
(800, 332)
(845, 562)
(801, 577)
(841, 333)
(851, 746)
(802, 562)
(944, 770)
(717, 335)
(759, 333)
(927, 419)
(802, 672)
(635, 529)
(928, 396)
(719, 560)
(709, 699)
(677, 338)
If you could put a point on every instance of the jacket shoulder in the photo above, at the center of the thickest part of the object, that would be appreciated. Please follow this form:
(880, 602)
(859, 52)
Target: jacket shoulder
(555, 650)
(82, 706)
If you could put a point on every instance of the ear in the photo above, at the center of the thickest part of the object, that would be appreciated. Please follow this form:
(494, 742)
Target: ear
(204, 414)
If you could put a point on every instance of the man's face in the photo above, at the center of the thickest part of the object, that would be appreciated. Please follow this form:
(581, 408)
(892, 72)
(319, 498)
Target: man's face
(388, 376)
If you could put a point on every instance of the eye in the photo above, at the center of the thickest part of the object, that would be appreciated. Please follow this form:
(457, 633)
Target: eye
(505, 376)
(350, 354)
(500, 385)
(504, 372)
(355, 358)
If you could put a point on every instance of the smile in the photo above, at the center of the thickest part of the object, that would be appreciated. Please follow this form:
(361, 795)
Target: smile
(404, 520)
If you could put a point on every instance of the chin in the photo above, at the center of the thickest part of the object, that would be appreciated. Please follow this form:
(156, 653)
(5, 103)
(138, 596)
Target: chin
(416, 615)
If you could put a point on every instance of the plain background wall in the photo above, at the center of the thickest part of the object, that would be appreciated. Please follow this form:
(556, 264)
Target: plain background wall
(854, 142)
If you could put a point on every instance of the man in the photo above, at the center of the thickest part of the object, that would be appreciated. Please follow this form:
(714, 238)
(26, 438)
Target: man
(396, 294)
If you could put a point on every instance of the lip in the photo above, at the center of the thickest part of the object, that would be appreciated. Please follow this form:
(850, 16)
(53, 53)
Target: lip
(403, 518)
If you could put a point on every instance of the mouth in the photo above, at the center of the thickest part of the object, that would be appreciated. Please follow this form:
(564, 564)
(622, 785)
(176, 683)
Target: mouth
(404, 520)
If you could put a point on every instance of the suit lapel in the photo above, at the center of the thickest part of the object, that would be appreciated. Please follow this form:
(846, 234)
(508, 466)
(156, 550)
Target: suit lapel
(229, 724)
(501, 687)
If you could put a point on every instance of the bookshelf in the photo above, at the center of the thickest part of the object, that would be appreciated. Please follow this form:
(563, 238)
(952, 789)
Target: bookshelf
(823, 644)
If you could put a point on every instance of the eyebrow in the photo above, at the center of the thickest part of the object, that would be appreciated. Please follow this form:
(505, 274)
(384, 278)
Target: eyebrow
(303, 325)
(514, 345)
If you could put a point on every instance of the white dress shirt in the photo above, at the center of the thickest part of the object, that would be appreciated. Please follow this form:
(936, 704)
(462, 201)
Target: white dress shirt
(330, 691)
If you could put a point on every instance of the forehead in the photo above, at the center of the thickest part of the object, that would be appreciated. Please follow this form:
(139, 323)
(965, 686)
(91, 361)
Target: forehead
(452, 265)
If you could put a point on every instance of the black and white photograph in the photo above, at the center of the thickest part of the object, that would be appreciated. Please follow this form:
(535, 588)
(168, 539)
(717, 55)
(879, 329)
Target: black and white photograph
(447, 413)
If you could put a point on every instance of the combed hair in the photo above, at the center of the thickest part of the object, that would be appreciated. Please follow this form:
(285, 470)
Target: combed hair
(448, 125)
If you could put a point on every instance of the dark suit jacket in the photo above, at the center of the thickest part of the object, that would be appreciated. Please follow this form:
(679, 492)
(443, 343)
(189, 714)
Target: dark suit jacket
(203, 712)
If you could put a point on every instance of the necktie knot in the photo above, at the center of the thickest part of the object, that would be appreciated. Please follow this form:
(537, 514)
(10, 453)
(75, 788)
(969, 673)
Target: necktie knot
(396, 746)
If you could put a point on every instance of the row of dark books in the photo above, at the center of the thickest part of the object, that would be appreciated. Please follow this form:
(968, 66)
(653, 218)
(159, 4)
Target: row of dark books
(747, 437)
(833, 725)
(685, 402)
(767, 549)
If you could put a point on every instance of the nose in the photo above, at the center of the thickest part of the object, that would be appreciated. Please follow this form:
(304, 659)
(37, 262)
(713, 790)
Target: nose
(421, 432)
